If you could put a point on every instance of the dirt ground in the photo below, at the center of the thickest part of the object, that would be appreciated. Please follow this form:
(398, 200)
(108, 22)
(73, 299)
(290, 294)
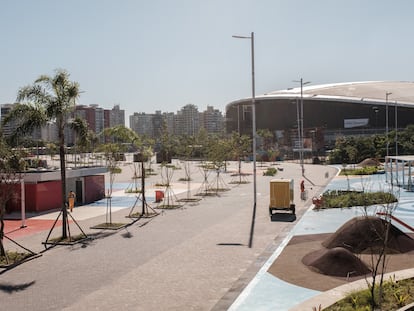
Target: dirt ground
(289, 267)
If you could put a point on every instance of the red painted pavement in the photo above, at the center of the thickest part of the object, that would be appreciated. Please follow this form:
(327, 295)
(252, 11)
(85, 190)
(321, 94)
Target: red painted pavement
(13, 228)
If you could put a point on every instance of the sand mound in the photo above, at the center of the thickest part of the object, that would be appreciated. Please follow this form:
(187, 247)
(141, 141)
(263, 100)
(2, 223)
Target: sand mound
(365, 235)
(338, 262)
(369, 162)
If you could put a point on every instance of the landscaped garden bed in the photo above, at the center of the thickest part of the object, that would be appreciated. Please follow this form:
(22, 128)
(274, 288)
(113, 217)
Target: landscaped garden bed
(396, 294)
(345, 198)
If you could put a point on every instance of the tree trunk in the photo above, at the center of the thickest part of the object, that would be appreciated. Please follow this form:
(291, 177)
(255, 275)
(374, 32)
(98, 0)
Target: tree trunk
(2, 251)
(63, 177)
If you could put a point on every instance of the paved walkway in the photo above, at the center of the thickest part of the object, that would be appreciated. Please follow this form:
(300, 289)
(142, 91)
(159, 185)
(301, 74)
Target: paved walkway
(192, 258)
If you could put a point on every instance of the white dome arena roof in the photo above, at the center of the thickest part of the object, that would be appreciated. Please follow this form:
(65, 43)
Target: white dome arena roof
(368, 91)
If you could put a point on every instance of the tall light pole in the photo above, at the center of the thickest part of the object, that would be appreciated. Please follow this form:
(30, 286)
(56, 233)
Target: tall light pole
(386, 121)
(375, 108)
(301, 122)
(298, 120)
(251, 38)
(396, 129)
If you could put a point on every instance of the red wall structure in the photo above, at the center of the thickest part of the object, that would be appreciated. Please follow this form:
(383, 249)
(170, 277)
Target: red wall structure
(45, 196)
(94, 188)
(39, 197)
(48, 196)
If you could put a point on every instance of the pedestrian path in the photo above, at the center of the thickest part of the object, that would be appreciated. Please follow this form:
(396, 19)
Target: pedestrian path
(17, 227)
(264, 292)
(267, 292)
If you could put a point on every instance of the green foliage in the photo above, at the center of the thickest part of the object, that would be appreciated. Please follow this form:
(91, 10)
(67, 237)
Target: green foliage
(354, 149)
(395, 295)
(267, 138)
(342, 199)
(168, 143)
(208, 166)
(84, 136)
(120, 135)
(13, 257)
(271, 171)
(187, 149)
(368, 170)
(241, 145)
(115, 170)
(49, 98)
(219, 150)
(133, 191)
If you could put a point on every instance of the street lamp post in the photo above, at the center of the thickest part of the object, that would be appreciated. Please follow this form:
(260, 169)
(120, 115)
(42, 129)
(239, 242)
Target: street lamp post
(251, 38)
(396, 129)
(386, 134)
(386, 121)
(301, 122)
(298, 120)
(376, 110)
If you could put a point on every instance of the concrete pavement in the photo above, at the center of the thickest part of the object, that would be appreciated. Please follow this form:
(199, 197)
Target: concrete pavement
(192, 258)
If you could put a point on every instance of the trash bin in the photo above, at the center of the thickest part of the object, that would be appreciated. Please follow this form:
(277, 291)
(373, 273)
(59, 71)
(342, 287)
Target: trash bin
(159, 195)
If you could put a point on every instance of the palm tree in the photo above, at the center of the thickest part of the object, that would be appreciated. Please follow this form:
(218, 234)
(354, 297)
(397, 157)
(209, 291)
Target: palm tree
(50, 98)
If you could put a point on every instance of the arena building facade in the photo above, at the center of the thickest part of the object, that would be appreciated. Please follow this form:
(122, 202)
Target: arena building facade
(329, 111)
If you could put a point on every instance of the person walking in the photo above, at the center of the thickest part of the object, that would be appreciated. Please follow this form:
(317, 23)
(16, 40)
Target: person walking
(71, 200)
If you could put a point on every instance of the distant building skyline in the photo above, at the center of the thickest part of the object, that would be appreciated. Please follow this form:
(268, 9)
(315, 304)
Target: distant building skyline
(186, 121)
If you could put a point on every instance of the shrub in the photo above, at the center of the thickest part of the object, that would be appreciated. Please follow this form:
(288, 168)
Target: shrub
(271, 171)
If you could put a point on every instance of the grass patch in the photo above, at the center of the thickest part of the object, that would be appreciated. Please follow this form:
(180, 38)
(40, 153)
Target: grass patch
(395, 295)
(140, 215)
(341, 199)
(184, 179)
(133, 191)
(161, 184)
(189, 200)
(69, 239)
(169, 206)
(369, 170)
(12, 258)
(109, 226)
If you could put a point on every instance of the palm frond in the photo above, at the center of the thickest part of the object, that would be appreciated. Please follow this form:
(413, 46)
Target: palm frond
(34, 94)
(26, 118)
(120, 133)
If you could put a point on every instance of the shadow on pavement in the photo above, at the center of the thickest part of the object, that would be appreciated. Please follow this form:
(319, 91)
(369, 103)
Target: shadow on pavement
(10, 288)
(285, 217)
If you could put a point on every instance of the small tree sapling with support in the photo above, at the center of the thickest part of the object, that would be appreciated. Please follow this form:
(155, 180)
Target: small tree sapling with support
(147, 211)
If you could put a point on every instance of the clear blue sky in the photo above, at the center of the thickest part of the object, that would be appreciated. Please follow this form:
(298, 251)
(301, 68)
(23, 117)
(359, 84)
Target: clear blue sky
(163, 54)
